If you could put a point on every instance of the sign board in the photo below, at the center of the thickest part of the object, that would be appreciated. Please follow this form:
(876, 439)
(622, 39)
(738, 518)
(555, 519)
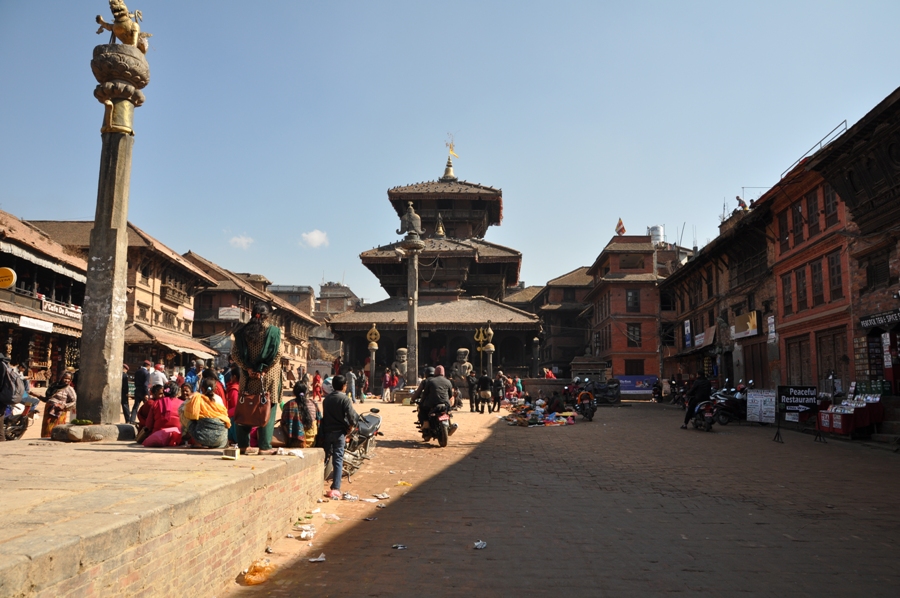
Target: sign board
(26, 322)
(746, 325)
(798, 398)
(7, 278)
(761, 406)
(770, 321)
(636, 384)
(687, 333)
(60, 310)
(886, 347)
(699, 339)
(229, 313)
(885, 317)
(188, 314)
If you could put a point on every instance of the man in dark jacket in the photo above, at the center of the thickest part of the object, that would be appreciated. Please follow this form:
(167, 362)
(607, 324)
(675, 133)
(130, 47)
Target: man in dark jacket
(484, 391)
(437, 389)
(125, 410)
(338, 416)
(472, 383)
(141, 387)
(497, 392)
(699, 392)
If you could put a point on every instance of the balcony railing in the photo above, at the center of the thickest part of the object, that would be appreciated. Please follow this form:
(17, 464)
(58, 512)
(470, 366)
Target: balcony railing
(169, 293)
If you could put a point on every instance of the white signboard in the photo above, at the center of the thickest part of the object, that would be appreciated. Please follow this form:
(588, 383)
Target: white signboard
(229, 313)
(26, 322)
(761, 406)
(886, 346)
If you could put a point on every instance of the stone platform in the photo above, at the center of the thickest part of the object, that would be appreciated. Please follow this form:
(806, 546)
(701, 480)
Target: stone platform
(116, 519)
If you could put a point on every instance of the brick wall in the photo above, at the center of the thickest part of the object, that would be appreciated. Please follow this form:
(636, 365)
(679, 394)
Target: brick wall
(198, 545)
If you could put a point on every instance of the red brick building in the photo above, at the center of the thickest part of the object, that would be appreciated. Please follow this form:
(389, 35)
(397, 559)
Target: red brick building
(811, 269)
(558, 304)
(625, 300)
(863, 166)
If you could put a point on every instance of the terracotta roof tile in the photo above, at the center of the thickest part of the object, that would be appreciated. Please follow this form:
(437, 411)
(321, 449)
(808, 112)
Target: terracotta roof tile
(465, 313)
(576, 278)
(523, 296)
(20, 232)
(77, 233)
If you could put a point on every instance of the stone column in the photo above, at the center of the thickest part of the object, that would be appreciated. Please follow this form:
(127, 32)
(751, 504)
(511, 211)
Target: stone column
(412, 327)
(121, 71)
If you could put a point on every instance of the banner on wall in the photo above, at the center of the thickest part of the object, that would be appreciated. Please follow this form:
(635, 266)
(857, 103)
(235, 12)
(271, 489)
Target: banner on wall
(636, 384)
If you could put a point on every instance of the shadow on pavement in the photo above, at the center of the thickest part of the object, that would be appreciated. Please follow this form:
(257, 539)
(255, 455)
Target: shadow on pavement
(625, 505)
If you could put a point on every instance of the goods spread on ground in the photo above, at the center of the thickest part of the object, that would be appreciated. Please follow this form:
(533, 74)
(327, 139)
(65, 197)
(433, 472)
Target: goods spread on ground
(529, 416)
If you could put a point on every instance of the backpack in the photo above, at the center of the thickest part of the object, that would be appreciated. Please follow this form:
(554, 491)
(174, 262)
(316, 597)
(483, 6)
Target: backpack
(12, 385)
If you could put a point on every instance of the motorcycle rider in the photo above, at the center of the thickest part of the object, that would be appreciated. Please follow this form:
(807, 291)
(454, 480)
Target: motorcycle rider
(435, 390)
(699, 392)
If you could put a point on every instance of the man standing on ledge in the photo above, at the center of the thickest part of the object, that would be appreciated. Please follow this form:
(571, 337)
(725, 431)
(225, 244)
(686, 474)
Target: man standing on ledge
(338, 417)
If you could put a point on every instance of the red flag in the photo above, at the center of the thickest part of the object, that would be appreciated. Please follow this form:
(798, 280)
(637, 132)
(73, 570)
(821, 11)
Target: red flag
(620, 228)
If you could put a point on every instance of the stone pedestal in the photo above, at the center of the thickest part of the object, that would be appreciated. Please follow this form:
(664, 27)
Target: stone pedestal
(121, 72)
(413, 246)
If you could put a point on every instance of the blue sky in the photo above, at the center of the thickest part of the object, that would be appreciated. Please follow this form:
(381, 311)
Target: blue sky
(272, 128)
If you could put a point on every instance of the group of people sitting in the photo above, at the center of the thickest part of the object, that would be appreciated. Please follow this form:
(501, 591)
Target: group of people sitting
(173, 415)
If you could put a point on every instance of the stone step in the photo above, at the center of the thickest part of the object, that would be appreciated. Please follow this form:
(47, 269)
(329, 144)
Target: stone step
(886, 438)
(890, 427)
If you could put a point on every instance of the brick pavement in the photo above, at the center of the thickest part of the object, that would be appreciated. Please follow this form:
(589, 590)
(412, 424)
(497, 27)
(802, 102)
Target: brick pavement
(628, 505)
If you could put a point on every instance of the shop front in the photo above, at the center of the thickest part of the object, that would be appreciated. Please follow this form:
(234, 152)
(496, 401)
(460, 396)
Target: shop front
(875, 352)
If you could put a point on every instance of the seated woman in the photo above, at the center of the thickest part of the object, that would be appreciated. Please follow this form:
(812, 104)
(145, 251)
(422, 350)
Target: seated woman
(164, 413)
(60, 401)
(300, 419)
(156, 393)
(208, 419)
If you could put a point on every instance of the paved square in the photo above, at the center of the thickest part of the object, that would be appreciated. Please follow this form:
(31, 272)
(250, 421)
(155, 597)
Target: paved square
(627, 505)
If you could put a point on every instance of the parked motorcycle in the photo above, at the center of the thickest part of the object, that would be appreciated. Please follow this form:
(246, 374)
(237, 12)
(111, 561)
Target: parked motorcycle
(360, 444)
(604, 392)
(438, 425)
(732, 406)
(679, 394)
(16, 420)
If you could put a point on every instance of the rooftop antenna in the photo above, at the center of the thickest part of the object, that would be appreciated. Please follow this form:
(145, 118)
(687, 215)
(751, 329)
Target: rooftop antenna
(682, 234)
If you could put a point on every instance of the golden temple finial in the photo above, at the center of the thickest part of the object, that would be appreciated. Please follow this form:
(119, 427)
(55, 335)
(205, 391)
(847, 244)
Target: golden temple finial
(448, 170)
(439, 231)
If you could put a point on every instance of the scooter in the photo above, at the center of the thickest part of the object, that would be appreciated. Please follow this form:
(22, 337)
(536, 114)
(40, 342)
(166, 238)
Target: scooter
(16, 420)
(360, 444)
(704, 415)
(678, 394)
(584, 405)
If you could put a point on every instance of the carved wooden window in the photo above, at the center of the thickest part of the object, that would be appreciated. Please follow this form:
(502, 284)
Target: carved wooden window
(831, 206)
(783, 235)
(634, 335)
(818, 282)
(787, 296)
(797, 222)
(812, 212)
(800, 279)
(835, 276)
(878, 271)
(633, 301)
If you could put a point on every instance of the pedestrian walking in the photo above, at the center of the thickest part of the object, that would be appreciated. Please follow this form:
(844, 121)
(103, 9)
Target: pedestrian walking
(61, 399)
(472, 383)
(386, 385)
(338, 418)
(125, 393)
(351, 384)
(484, 392)
(497, 389)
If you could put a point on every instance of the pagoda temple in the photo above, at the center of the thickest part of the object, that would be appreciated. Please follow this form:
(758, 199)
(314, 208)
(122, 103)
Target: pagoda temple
(463, 280)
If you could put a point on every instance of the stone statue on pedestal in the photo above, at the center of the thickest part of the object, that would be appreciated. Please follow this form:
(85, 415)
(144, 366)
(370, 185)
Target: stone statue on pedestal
(460, 371)
(399, 366)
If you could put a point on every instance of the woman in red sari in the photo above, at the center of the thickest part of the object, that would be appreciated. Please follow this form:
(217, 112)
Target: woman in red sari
(317, 386)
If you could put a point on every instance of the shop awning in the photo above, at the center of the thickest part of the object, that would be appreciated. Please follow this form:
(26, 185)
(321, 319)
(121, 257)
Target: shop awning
(197, 352)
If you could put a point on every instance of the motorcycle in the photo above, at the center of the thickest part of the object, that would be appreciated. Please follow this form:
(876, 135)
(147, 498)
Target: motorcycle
(16, 420)
(584, 405)
(437, 425)
(656, 393)
(607, 392)
(360, 444)
(704, 415)
(679, 394)
(732, 406)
